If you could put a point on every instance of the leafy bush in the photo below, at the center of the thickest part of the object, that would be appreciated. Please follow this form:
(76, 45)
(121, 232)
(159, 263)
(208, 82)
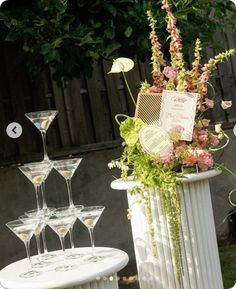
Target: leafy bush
(70, 35)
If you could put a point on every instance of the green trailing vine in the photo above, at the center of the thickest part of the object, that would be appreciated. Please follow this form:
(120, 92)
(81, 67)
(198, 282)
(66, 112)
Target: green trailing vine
(151, 174)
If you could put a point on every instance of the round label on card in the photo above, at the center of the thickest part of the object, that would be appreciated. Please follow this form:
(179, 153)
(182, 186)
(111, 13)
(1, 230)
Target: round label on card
(155, 141)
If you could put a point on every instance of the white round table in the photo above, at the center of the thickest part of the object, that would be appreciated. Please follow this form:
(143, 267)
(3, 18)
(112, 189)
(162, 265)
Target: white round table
(86, 275)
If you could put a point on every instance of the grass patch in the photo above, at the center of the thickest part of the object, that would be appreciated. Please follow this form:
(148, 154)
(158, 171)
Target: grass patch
(228, 265)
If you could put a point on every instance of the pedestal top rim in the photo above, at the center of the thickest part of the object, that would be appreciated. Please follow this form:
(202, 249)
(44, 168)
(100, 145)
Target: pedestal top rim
(120, 184)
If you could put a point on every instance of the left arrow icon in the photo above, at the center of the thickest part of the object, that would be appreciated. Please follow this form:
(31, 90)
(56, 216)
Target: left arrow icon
(14, 130)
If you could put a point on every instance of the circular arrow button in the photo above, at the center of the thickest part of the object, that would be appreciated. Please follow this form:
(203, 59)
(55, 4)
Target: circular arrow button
(14, 130)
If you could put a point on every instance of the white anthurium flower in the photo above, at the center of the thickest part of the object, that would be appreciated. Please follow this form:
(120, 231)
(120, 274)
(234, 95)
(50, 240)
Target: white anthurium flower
(234, 1)
(121, 64)
(225, 104)
(1, 1)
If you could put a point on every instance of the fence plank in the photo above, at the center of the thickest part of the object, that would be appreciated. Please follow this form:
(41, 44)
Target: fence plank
(115, 101)
(61, 117)
(99, 107)
(79, 127)
(226, 77)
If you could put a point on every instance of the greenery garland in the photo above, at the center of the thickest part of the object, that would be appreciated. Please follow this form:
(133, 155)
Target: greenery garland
(147, 170)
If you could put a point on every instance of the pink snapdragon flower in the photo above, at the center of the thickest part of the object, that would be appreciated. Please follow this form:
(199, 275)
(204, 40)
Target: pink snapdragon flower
(214, 140)
(225, 104)
(205, 122)
(169, 72)
(154, 89)
(209, 102)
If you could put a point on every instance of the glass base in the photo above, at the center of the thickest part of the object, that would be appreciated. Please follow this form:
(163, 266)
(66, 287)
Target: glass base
(65, 268)
(47, 256)
(95, 259)
(29, 274)
(74, 256)
(41, 264)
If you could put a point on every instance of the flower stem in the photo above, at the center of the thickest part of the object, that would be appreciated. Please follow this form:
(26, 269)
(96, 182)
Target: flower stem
(127, 85)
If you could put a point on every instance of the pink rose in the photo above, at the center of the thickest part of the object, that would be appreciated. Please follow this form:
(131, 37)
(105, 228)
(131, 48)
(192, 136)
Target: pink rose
(205, 160)
(204, 140)
(191, 159)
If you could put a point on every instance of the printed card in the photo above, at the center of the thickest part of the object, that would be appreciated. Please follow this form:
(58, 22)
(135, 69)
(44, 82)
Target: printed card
(178, 110)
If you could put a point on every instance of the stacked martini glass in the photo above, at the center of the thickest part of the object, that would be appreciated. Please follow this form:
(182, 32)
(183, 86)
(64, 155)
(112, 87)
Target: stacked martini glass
(61, 220)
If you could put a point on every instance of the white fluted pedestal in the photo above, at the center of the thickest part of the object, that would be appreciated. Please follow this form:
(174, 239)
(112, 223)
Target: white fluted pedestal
(199, 248)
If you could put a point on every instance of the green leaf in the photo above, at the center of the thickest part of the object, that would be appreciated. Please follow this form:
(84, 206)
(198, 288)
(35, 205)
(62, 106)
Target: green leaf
(52, 56)
(128, 31)
(111, 9)
(12, 36)
(45, 48)
(109, 33)
(61, 5)
(93, 54)
(111, 48)
(86, 39)
(129, 130)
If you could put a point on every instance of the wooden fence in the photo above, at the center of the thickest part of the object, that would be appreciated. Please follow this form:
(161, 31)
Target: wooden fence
(87, 107)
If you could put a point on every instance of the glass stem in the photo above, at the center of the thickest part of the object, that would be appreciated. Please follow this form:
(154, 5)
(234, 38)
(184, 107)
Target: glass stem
(37, 237)
(45, 249)
(71, 238)
(62, 240)
(45, 154)
(27, 248)
(37, 190)
(68, 183)
(91, 234)
(43, 195)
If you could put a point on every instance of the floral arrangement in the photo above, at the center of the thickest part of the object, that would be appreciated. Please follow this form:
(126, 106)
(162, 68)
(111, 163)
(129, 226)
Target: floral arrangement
(166, 172)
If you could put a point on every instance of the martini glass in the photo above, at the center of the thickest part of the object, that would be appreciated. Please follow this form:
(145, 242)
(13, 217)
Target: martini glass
(75, 211)
(44, 214)
(67, 168)
(25, 232)
(42, 120)
(89, 217)
(37, 173)
(26, 220)
(61, 224)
